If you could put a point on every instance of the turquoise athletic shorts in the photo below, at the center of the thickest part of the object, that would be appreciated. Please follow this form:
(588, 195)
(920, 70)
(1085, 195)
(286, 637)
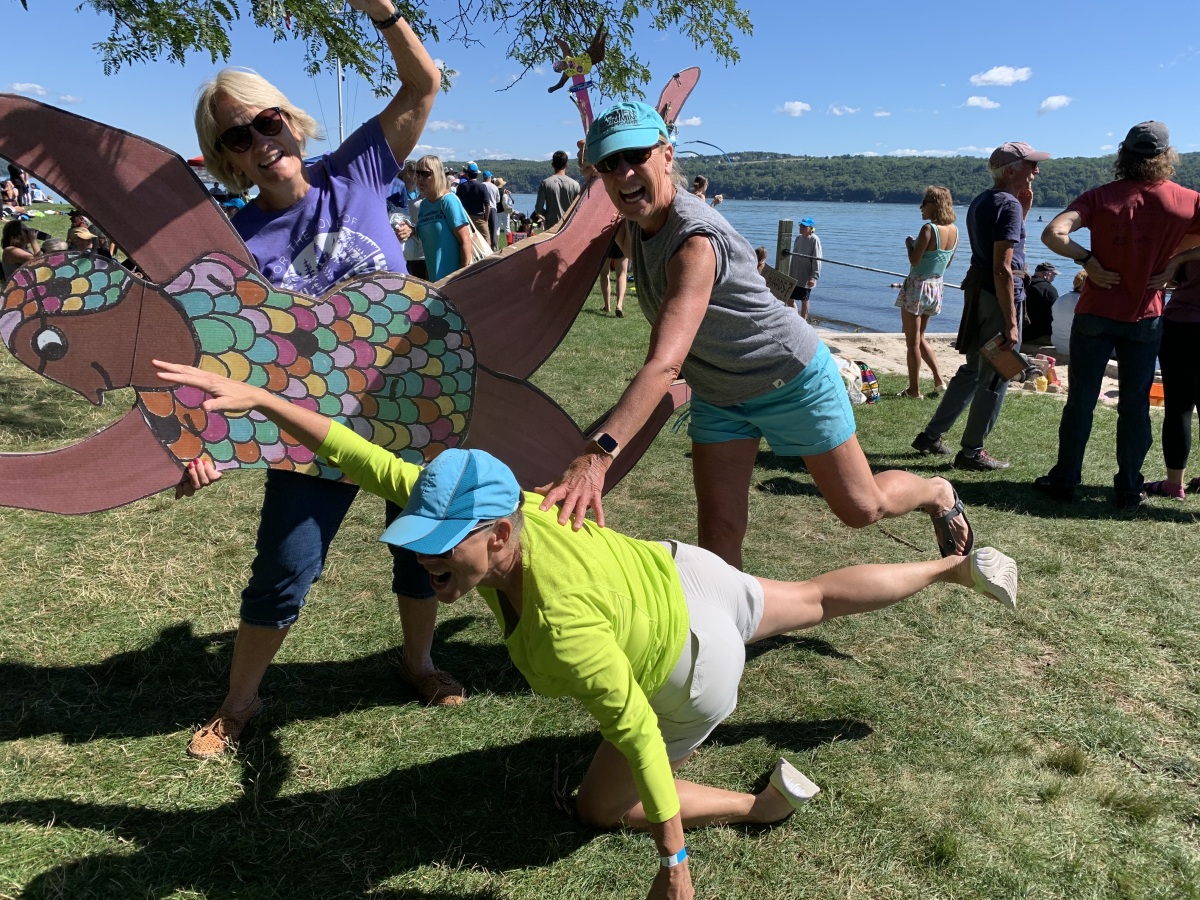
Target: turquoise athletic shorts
(809, 415)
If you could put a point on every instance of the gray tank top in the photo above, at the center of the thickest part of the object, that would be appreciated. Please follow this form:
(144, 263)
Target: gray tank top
(748, 342)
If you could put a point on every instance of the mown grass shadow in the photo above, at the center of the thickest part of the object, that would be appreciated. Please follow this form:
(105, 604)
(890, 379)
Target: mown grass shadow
(493, 808)
(179, 678)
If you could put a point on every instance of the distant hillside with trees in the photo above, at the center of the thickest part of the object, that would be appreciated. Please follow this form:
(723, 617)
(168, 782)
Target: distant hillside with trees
(860, 179)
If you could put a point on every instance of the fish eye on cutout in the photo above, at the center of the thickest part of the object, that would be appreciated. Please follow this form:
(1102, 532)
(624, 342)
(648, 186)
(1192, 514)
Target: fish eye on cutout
(50, 344)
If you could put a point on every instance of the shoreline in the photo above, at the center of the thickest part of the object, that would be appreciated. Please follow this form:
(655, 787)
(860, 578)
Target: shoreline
(886, 354)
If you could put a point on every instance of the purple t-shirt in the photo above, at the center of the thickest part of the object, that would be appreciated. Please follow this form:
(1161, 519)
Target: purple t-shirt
(340, 228)
(997, 216)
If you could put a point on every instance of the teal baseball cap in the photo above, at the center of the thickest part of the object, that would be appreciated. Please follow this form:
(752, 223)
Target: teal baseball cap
(626, 126)
(452, 495)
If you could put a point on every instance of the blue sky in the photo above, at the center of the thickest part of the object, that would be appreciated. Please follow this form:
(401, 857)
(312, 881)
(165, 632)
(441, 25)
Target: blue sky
(815, 78)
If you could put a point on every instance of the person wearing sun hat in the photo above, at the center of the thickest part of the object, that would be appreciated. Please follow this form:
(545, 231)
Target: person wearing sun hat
(649, 636)
(755, 368)
(1121, 305)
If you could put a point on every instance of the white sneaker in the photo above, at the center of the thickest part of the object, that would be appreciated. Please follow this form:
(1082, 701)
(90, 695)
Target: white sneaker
(790, 782)
(995, 575)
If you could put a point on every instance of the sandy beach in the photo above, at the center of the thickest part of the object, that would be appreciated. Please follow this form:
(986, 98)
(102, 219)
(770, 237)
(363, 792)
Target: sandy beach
(885, 353)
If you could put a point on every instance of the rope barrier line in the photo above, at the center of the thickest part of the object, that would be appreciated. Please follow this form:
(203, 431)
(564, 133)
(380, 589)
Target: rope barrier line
(864, 268)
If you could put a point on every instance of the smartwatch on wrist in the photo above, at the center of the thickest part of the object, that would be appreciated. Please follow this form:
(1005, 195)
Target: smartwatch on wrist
(1083, 262)
(670, 862)
(607, 443)
(391, 20)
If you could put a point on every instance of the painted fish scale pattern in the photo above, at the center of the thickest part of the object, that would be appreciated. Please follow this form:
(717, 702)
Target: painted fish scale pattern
(61, 283)
(385, 355)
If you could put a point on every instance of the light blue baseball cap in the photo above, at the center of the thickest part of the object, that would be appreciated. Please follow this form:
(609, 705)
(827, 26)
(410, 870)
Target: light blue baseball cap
(808, 222)
(454, 493)
(625, 126)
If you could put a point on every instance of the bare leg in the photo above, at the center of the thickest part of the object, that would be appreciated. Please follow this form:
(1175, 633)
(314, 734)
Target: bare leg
(622, 281)
(253, 650)
(860, 498)
(605, 286)
(912, 340)
(794, 605)
(928, 356)
(804, 308)
(721, 473)
(418, 618)
(608, 798)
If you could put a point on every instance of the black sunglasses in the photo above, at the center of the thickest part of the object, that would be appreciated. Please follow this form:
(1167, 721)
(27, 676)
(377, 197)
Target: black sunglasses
(449, 553)
(238, 139)
(422, 173)
(632, 157)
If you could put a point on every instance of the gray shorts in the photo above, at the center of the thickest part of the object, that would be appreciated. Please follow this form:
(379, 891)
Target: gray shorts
(725, 607)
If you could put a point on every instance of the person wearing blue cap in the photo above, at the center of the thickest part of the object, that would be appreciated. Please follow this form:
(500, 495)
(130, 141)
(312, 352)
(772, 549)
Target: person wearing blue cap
(756, 369)
(805, 264)
(648, 635)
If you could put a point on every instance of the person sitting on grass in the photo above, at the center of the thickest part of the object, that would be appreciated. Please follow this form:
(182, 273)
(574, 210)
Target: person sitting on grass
(630, 628)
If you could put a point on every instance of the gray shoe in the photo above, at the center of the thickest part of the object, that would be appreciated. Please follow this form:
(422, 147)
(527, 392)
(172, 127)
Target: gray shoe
(980, 462)
(927, 446)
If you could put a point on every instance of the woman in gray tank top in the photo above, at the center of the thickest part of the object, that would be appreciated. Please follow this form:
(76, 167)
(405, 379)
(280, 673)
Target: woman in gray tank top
(756, 369)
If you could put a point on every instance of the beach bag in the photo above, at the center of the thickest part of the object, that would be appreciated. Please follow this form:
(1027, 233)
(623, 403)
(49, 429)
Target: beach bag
(852, 376)
(480, 248)
(870, 385)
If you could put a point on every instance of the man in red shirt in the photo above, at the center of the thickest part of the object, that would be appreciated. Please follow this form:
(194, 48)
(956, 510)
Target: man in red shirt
(1136, 223)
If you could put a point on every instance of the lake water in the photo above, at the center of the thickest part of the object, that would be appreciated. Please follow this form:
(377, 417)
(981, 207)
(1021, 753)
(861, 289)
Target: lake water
(868, 234)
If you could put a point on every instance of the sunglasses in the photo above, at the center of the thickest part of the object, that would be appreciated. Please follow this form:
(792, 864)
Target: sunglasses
(631, 157)
(238, 139)
(422, 173)
(449, 553)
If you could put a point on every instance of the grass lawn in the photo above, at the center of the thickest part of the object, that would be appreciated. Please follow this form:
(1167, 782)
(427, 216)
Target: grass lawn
(962, 751)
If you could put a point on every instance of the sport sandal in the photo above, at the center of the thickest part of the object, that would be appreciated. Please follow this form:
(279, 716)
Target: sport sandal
(947, 545)
(221, 733)
(790, 782)
(1164, 489)
(995, 576)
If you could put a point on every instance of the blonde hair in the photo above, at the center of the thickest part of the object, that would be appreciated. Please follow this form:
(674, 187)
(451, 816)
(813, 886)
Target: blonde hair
(943, 205)
(1080, 278)
(438, 176)
(250, 89)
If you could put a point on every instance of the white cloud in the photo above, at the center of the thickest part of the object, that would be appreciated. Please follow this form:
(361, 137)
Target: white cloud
(867, 153)
(957, 151)
(1003, 76)
(794, 108)
(690, 122)
(1108, 148)
(28, 87)
(840, 109)
(981, 103)
(1050, 104)
(69, 98)
(444, 153)
(539, 70)
(447, 125)
(881, 114)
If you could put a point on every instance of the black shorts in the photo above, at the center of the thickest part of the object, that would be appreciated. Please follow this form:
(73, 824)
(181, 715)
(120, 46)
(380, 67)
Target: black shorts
(615, 251)
(799, 292)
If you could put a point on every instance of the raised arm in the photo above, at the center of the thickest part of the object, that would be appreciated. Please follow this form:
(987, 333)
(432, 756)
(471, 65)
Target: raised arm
(308, 427)
(691, 273)
(403, 119)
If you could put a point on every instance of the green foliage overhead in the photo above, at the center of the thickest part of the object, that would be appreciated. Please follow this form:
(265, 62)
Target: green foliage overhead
(146, 31)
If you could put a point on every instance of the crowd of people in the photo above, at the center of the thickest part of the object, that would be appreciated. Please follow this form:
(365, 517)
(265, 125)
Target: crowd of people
(650, 635)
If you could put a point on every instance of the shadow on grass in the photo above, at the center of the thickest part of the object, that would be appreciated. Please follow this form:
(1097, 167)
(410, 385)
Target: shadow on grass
(492, 808)
(153, 689)
(815, 646)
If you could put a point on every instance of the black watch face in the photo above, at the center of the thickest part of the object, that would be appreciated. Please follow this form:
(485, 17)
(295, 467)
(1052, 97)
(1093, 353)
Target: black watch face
(606, 443)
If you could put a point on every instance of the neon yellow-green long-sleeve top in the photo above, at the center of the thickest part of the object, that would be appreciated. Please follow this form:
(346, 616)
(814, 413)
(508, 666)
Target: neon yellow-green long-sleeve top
(603, 617)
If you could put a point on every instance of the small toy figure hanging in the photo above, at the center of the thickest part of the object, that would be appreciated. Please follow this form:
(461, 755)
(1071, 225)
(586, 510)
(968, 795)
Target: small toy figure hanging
(577, 68)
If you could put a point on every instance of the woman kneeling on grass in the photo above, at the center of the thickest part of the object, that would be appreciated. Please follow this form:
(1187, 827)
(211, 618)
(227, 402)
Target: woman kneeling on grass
(623, 625)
